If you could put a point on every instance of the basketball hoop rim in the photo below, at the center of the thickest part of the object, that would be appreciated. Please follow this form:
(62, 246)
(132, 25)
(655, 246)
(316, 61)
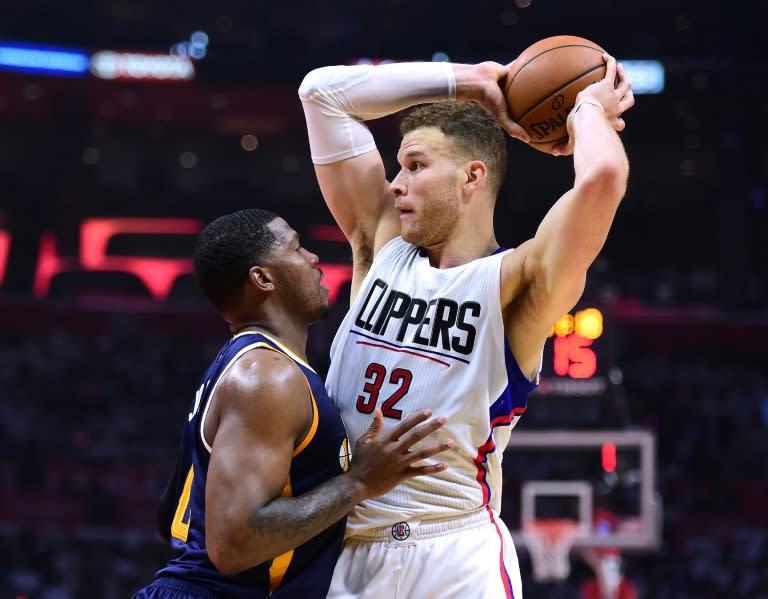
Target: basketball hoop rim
(554, 529)
(549, 543)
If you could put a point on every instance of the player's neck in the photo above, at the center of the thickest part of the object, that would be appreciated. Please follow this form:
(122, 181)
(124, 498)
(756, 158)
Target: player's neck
(252, 326)
(295, 340)
(458, 251)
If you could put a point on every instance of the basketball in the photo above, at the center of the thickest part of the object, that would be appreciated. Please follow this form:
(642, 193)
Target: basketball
(542, 88)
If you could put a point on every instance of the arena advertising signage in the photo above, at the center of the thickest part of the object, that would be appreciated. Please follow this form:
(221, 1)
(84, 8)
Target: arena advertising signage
(43, 59)
(108, 64)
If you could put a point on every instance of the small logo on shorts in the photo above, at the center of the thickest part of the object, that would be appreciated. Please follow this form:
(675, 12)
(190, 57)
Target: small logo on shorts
(401, 531)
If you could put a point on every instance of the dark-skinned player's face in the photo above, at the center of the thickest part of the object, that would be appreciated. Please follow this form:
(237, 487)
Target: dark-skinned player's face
(297, 276)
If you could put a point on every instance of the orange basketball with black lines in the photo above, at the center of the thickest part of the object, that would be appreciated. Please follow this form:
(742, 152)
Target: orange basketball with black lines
(541, 90)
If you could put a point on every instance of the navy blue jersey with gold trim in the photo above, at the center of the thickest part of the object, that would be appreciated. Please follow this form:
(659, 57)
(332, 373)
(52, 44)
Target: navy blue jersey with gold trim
(302, 572)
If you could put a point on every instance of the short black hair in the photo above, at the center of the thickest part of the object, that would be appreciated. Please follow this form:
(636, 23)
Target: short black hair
(227, 248)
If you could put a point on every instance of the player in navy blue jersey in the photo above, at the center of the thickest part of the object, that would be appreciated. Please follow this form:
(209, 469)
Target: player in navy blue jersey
(257, 504)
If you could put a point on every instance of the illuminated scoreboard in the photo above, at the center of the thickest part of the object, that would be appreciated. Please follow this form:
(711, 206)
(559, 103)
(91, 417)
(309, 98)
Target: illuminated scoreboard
(574, 335)
(577, 368)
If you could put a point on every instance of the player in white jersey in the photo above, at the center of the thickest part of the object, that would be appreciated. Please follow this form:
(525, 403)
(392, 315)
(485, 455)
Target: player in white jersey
(439, 314)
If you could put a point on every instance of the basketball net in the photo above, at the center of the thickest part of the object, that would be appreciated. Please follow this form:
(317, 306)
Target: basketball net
(549, 541)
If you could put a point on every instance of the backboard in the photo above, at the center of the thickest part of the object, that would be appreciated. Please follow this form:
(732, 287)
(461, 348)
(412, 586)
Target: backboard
(605, 480)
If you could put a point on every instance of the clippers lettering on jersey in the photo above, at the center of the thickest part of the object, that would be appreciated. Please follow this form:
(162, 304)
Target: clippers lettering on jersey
(441, 323)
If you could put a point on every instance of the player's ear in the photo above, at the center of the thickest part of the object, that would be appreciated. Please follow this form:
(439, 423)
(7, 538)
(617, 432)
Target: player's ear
(475, 174)
(261, 278)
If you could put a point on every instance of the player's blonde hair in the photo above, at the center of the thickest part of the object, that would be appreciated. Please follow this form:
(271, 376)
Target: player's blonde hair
(472, 131)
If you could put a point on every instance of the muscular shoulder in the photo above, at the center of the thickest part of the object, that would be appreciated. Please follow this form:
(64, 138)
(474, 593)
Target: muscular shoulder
(266, 385)
(263, 372)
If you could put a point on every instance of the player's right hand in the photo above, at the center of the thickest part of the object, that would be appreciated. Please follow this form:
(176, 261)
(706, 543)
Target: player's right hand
(481, 83)
(381, 460)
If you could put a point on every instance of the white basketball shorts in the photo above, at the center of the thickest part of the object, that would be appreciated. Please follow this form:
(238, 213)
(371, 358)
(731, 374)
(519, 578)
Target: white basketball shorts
(471, 557)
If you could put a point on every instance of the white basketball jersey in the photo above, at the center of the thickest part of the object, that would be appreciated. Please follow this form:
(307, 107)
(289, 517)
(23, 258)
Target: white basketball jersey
(421, 337)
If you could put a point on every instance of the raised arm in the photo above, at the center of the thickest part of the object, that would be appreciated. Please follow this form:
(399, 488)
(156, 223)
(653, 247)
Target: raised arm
(545, 277)
(338, 100)
(263, 410)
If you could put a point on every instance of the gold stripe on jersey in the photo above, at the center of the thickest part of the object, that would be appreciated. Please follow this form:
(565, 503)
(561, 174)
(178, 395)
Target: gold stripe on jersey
(312, 427)
(179, 528)
(279, 565)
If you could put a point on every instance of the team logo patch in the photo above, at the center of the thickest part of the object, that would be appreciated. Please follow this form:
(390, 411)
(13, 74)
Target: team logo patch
(344, 455)
(401, 531)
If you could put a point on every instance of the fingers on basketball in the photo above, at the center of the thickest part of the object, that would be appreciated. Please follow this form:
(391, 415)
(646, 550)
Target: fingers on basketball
(543, 83)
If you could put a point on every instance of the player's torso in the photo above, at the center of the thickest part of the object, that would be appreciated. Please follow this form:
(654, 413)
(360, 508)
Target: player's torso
(322, 455)
(418, 337)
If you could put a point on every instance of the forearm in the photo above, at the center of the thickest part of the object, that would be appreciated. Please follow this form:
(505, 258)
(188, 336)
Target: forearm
(287, 522)
(598, 156)
(338, 99)
(574, 230)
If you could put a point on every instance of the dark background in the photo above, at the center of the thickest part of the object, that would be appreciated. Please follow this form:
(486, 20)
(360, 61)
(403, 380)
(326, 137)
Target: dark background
(96, 376)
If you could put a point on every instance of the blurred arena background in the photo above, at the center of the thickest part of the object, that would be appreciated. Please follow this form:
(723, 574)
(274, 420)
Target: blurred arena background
(126, 124)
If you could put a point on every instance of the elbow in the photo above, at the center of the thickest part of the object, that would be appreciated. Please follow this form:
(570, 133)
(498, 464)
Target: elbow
(231, 557)
(224, 558)
(309, 85)
(606, 178)
(315, 82)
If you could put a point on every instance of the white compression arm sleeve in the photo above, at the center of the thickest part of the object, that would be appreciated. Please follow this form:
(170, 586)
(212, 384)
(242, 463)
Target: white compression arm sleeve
(338, 99)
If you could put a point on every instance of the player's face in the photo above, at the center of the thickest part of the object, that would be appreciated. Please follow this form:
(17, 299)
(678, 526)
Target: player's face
(297, 274)
(427, 189)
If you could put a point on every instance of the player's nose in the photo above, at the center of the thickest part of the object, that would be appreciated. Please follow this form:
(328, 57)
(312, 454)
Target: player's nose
(397, 187)
(314, 259)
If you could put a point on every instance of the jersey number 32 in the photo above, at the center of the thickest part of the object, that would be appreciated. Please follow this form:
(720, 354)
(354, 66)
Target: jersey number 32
(394, 386)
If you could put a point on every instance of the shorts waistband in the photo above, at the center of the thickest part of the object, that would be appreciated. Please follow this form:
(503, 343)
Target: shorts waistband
(414, 529)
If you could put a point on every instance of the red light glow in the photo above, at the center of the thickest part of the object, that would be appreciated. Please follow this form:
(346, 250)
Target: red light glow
(158, 274)
(608, 456)
(5, 248)
(334, 276)
(49, 263)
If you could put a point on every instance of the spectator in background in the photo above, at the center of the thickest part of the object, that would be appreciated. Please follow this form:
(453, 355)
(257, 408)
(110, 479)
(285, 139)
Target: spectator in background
(606, 563)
